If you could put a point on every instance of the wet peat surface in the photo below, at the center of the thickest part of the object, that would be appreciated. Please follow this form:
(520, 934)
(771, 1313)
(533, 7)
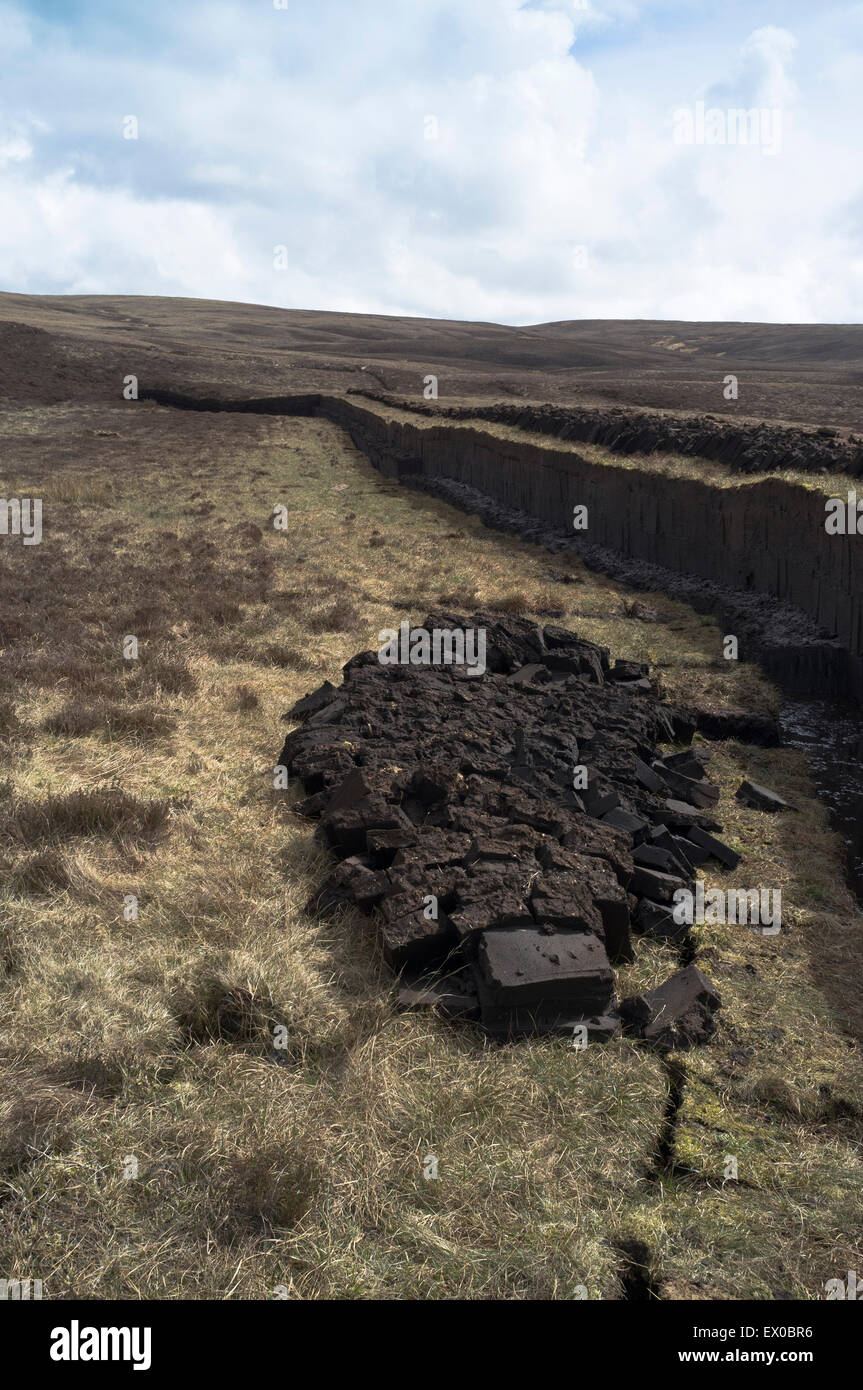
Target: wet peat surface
(831, 735)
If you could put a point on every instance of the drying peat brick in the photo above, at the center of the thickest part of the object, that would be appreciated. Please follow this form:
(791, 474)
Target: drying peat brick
(433, 849)
(724, 853)
(581, 663)
(532, 969)
(353, 882)
(408, 936)
(383, 845)
(565, 901)
(346, 829)
(762, 798)
(547, 817)
(667, 861)
(530, 674)
(656, 920)
(432, 783)
(648, 778)
(600, 842)
(677, 815)
(319, 768)
(612, 901)
(506, 848)
(330, 714)
(362, 783)
(694, 791)
(452, 994)
(311, 704)
(311, 806)
(501, 894)
(677, 1014)
(500, 908)
(630, 671)
(491, 895)
(600, 795)
(690, 855)
(690, 762)
(598, 877)
(556, 638)
(651, 883)
(635, 826)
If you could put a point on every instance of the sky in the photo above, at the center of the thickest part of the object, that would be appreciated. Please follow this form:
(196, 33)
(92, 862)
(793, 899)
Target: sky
(518, 161)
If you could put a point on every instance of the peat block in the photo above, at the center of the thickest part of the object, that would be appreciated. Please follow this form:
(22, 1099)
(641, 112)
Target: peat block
(677, 1014)
(502, 896)
(762, 798)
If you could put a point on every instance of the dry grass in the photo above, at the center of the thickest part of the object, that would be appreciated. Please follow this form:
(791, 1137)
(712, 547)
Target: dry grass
(76, 719)
(104, 812)
(211, 1095)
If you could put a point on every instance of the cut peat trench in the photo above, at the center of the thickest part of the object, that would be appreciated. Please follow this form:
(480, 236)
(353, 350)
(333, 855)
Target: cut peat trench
(744, 448)
(795, 652)
(792, 650)
(781, 630)
(829, 731)
(831, 735)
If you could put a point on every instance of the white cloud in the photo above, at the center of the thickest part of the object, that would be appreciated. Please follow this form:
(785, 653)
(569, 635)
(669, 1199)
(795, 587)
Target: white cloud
(307, 128)
(14, 149)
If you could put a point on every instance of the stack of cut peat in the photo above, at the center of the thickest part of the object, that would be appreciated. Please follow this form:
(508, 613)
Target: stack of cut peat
(501, 894)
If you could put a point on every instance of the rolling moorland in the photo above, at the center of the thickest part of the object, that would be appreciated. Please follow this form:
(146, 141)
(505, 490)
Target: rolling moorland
(154, 1143)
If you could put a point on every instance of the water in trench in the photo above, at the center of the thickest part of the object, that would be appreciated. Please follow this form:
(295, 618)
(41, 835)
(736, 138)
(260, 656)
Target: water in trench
(831, 734)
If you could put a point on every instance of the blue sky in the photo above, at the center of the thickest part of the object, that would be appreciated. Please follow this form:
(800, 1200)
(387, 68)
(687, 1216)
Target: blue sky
(491, 159)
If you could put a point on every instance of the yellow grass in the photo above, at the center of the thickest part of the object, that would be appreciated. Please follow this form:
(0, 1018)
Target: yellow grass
(154, 1143)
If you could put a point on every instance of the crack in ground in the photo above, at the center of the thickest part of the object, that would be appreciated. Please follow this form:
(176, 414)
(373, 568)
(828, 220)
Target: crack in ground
(665, 1151)
(637, 1275)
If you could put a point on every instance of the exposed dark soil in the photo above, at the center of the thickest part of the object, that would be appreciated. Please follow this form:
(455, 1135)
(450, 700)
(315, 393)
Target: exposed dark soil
(793, 650)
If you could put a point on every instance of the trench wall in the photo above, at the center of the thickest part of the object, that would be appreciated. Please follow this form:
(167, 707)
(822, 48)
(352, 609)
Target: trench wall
(766, 536)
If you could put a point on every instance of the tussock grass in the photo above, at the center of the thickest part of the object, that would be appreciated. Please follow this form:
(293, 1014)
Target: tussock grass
(242, 699)
(215, 1097)
(110, 811)
(215, 1009)
(39, 874)
(76, 720)
(36, 1116)
(79, 489)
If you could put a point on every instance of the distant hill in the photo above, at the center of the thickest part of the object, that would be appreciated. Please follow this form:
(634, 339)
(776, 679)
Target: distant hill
(808, 373)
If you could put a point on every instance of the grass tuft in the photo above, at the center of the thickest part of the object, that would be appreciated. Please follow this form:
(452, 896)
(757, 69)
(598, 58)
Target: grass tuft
(99, 812)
